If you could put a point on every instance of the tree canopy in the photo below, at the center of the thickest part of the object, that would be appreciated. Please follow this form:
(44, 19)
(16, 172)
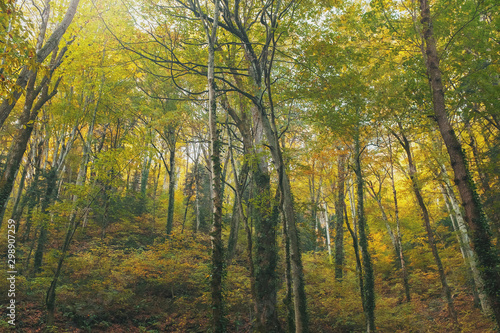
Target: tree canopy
(255, 166)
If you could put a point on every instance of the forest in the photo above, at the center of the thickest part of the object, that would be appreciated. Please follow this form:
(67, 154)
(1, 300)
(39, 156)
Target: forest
(250, 166)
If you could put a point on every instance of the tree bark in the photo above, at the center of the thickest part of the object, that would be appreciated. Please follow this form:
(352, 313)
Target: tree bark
(51, 180)
(50, 298)
(265, 216)
(171, 186)
(218, 318)
(369, 286)
(464, 241)
(427, 224)
(41, 54)
(17, 211)
(339, 214)
(27, 119)
(489, 260)
(238, 213)
(355, 246)
(325, 217)
(398, 228)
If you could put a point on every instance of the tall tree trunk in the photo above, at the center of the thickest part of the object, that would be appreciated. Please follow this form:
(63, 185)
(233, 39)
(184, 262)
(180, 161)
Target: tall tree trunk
(369, 286)
(233, 231)
(398, 228)
(51, 181)
(286, 200)
(489, 260)
(219, 321)
(50, 298)
(238, 213)
(146, 167)
(265, 221)
(427, 224)
(16, 210)
(266, 253)
(464, 241)
(288, 281)
(339, 214)
(456, 230)
(171, 186)
(314, 204)
(326, 218)
(27, 121)
(42, 51)
(359, 266)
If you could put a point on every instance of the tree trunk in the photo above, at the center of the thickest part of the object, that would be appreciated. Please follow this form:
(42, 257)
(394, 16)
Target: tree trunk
(339, 213)
(171, 188)
(265, 212)
(238, 213)
(288, 281)
(355, 246)
(50, 298)
(489, 261)
(16, 210)
(464, 242)
(327, 231)
(51, 180)
(398, 229)
(369, 287)
(219, 321)
(23, 134)
(41, 54)
(427, 224)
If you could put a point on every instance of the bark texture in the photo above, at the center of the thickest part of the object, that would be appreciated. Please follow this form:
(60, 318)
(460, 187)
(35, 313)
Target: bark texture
(41, 54)
(489, 260)
(339, 214)
(369, 279)
(427, 224)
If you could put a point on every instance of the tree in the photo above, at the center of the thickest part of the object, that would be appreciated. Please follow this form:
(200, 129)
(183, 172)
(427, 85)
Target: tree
(488, 258)
(36, 95)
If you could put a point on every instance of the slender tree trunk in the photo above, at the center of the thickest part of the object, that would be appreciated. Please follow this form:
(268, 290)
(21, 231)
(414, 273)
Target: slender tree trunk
(314, 205)
(288, 281)
(29, 115)
(359, 266)
(266, 220)
(144, 183)
(238, 213)
(369, 290)
(456, 230)
(464, 242)
(339, 214)
(155, 192)
(327, 229)
(50, 298)
(171, 187)
(489, 260)
(51, 180)
(234, 229)
(398, 229)
(427, 224)
(42, 51)
(16, 210)
(218, 317)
